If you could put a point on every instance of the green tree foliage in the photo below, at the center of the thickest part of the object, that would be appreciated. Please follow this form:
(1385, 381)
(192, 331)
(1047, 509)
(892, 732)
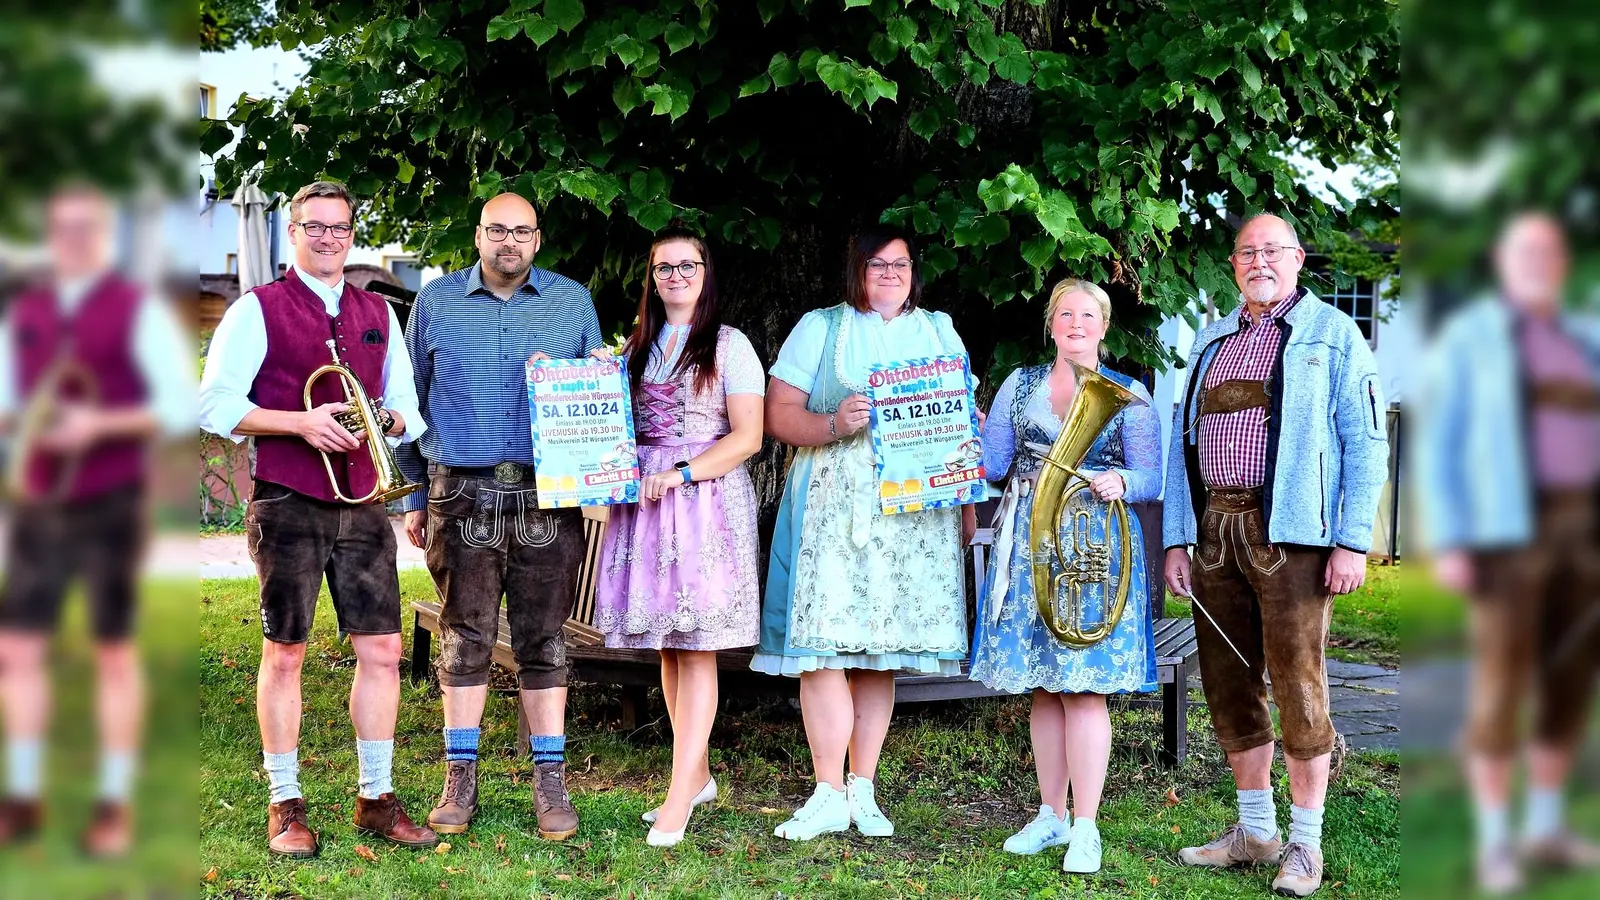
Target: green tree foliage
(225, 24)
(1022, 141)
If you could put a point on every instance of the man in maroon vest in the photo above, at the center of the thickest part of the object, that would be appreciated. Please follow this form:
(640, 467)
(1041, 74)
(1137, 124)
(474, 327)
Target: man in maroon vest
(261, 356)
(88, 374)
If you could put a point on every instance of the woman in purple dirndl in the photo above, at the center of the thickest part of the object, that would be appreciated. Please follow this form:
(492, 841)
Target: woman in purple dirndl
(678, 570)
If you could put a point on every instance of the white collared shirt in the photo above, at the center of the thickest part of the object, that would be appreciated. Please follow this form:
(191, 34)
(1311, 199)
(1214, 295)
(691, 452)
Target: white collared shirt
(161, 351)
(239, 346)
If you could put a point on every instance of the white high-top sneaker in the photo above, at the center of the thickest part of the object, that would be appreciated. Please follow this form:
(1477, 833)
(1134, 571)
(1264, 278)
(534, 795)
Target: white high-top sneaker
(864, 811)
(828, 810)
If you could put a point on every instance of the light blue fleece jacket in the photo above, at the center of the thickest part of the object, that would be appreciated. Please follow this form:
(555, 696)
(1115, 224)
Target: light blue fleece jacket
(1474, 486)
(1327, 446)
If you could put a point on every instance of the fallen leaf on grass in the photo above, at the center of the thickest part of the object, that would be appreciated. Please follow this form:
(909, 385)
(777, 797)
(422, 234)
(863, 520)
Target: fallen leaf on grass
(1154, 880)
(1172, 797)
(211, 874)
(562, 876)
(229, 663)
(453, 870)
(1176, 830)
(919, 888)
(500, 843)
(443, 848)
(365, 852)
(769, 811)
(356, 872)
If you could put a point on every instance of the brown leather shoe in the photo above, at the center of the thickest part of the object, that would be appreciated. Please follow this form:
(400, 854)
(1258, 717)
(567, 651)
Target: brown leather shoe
(557, 819)
(19, 819)
(385, 818)
(459, 802)
(110, 832)
(287, 831)
(1234, 847)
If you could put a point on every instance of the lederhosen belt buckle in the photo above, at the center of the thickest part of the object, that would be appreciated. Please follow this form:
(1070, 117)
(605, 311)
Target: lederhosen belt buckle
(509, 473)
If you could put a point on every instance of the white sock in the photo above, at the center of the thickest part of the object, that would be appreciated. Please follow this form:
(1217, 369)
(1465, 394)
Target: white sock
(1544, 813)
(116, 775)
(1494, 827)
(1305, 827)
(1258, 814)
(283, 774)
(22, 767)
(376, 759)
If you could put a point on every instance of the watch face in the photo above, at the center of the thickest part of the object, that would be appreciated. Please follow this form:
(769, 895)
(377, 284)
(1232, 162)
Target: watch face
(680, 465)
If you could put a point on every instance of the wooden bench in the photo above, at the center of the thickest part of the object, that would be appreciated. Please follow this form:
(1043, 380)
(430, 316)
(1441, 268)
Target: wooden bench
(638, 670)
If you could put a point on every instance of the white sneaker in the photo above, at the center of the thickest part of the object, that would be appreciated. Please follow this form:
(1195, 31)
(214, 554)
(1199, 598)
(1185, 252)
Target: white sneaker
(706, 795)
(827, 811)
(1083, 856)
(1046, 830)
(864, 811)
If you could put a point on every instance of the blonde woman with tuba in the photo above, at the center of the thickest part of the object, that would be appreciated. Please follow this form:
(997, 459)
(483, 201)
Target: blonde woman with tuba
(1013, 650)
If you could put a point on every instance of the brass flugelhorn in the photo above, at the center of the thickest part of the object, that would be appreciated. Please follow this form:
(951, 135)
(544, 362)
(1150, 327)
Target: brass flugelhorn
(1097, 400)
(361, 419)
(64, 379)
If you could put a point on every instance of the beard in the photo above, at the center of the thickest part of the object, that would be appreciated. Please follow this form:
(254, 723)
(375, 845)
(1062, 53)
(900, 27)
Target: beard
(1264, 291)
(509, 266)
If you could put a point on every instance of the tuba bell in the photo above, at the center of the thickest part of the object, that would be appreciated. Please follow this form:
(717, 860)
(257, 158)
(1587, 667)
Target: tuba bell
(361, 419)
(1086, 562)
(64, 379)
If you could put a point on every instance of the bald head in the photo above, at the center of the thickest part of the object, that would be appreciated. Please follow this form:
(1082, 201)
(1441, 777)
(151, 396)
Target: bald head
(1264, 281)
(508, 237)
(1531, 261)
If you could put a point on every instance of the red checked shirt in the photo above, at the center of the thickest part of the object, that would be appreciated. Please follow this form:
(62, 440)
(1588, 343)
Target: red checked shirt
(1233, 446)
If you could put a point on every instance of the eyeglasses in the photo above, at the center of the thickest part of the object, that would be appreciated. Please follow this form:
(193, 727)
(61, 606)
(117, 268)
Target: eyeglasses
(1246, 256)
(879, 266)
(318, 229)
(687, 268)
(522, 233)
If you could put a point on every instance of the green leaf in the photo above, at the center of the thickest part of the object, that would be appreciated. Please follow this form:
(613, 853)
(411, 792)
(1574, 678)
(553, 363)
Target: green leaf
(1210, 68)
(901, 30)
(882, 49)
(678, 37)
(627, 94)
(655, 215)
(566, 14)
(851, 4)
(502, 28)
(837, 76)
(1058, 215)
(983, 43)
(965, 134)
(925, 122)
(1014, 64)
(1007, 189)
(214, 135)
(425, 130)
(407, 170)
(628, 50)
(1250, 74)
(1039, 251)
(783, 71)
(757, 85)
(539, 30)
(716, 103)
(769, 9)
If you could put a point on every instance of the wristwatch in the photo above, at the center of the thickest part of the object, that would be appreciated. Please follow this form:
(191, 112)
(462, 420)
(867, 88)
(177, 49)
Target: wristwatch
(683, 468)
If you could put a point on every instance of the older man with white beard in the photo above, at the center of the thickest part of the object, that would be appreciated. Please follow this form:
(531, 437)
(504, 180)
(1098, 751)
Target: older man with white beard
(1278, 455)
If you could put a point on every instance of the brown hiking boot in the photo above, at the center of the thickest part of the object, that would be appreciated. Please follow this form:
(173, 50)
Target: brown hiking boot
(110, 832)
(557, 819)
(287, 831)
(459, 802)
(1234, 847)
(385, 818)
(19, 819)
(1301, 872)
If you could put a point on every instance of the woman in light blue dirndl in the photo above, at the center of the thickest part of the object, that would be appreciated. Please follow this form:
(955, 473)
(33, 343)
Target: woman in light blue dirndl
(854, 596)
(1012, 650)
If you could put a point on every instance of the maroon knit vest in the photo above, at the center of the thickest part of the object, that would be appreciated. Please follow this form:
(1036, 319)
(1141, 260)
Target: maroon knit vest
(99, 337)
(298, 329)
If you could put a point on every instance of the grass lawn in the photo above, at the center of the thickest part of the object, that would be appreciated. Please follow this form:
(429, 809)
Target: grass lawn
(162, 864)
(1366, 623)
(956, 779)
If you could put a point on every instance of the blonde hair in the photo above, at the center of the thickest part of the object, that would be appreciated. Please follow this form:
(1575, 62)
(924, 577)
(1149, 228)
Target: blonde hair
(1072, 286)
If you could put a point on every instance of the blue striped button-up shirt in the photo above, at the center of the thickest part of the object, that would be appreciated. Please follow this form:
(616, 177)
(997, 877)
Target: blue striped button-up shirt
(469, 349)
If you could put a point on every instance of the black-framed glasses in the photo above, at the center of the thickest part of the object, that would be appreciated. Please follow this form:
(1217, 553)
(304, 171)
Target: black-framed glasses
(687, 269)
(1246, 256)
(901, 266)
(318, 229)
(522, 233)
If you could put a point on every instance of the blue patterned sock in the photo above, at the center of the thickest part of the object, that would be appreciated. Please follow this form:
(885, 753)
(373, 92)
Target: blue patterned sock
(548, 748)
(461, 744)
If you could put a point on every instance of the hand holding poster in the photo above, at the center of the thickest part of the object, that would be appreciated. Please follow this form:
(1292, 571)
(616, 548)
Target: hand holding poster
(925, 434)
(583, 448)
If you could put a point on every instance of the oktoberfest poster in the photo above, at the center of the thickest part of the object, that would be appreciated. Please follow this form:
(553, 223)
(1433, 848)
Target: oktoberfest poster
(925, 434)
(583, 448)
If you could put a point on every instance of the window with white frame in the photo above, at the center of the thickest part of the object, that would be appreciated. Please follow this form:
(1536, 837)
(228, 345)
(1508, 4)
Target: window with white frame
(1359, 300)
(408, 270)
